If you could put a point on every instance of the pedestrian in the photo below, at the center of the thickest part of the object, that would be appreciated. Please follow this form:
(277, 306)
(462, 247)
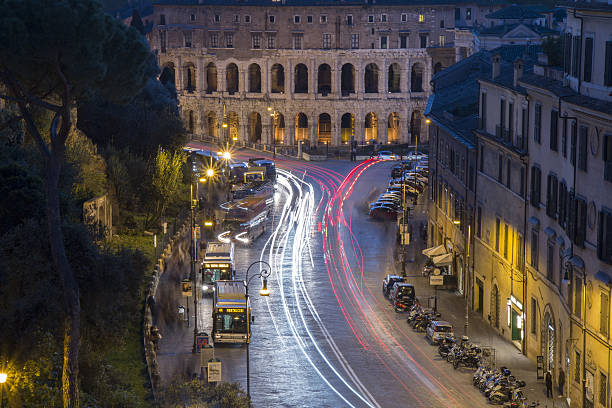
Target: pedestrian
(548, 380)
(155, 337)
(561, 382)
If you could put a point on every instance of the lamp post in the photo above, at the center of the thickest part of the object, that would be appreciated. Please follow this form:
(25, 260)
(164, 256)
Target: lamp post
(264, 291)
(466, 265)
(194, 254)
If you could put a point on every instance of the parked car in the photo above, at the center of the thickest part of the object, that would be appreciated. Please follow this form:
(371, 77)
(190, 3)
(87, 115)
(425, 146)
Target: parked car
(386, 155)
(438, 330)
(385, 202)
(383, 212)
(389, 282)
(403, 292)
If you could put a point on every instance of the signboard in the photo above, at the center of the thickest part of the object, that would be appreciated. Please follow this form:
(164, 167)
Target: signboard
(214, 265)
(201, 341)
(540, 367)
(197, 232)
(233, 310)
(206, 354)
(214, 371)
(406, 238)
(436, 280)
(186, 287)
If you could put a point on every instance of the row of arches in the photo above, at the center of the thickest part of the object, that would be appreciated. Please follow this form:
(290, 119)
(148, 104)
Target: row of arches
(302, 127)
(300, 78)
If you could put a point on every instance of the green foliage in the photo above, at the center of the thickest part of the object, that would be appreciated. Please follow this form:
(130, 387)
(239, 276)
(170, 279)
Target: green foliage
(13, 133)
(137, 22)
(194, 394)
(553, 49)
(90, 168)
(165, 180)
(47, 42)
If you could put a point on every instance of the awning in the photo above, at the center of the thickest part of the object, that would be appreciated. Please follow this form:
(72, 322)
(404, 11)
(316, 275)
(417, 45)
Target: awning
(550, 232)
(577, 262)
(443, 260)
(603, 277)
(534, 221)
(434, 251)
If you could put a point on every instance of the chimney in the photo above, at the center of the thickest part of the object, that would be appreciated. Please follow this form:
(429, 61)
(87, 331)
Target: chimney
(518, 71)
(495, 62)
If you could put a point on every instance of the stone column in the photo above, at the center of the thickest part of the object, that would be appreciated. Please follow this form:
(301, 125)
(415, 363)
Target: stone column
(359, 81)
(313, 129)
(359, 127)
(178, 63)
(200, 76)
(265, 77)
(382, 80)
(243, 132)
(290, 75)
(221, 79)
(312, 78)
(404, 81)
(289, 132)
(383, 129)
(242, 80)
(336, 138)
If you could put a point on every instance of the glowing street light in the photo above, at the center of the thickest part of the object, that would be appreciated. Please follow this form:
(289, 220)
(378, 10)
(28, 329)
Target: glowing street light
(226, 155)
(3, 377)
(264, 291)
(210, 172)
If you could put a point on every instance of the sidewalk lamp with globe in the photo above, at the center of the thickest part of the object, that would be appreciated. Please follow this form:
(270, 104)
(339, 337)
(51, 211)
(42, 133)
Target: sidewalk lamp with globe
(265, 269)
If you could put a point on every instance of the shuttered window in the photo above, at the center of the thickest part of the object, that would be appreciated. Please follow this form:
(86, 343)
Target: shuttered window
(583, 141)
(551, 196)
(576, 56)
(573, 142)
(537, 125)
(588, 59)
(608, 64)
(567, 53)
(581, 220)
(536, 180)
(604, 236)
(554, 130)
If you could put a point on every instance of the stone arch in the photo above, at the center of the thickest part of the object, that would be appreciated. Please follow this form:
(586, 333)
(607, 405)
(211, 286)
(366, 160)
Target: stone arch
(278, 127)
(231, 78)
(301, 127)
(415, 126)
(347, 127)
(371, 127)
(211, 124)
(189, 77)
(347, 79)
(324, 130)
(168, 74)
(437, 68)
(394, 78)
(416, 77)
(300, 79)
(211, 78)
(277, 74)
(324, 79)
(393, 128)
(254, 78)
(254, 127)
(370, 78)
(233, 125)
(548, 338)
(494, 308)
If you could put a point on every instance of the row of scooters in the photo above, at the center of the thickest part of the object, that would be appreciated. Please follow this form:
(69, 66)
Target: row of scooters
(499, 386)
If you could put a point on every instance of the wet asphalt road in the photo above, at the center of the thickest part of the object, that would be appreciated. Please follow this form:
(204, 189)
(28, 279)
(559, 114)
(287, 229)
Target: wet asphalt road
(326, 337)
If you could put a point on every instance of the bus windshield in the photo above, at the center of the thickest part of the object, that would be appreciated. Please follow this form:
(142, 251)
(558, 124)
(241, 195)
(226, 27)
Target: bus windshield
(230, 323)
(211, 275)
(406, 291)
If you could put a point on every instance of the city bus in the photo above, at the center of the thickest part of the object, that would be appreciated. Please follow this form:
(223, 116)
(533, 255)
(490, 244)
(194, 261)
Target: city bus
(218, 264)
(245, 219)
(231, 313)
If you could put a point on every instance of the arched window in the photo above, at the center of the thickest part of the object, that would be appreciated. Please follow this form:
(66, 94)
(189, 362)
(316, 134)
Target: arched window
(347, 79)
(393, 128)
(211, 78)
(254, 78)
(233, 125)
(371, 127)
(211, 124)
(324, 134)
(278, 127)
(254, 127)
(301, 127)
(371, 78)
(324, 79)
(231, 76)
(394, 83)
(301, 79)
(189, 81)
(278, 78)
(347, 127)
(416, 78)
(190, 122)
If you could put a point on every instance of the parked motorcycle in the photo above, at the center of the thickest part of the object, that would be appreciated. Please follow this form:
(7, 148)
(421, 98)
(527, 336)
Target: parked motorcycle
(446, 345)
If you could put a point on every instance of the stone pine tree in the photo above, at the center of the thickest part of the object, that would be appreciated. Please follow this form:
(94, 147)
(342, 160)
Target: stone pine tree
(54, 54)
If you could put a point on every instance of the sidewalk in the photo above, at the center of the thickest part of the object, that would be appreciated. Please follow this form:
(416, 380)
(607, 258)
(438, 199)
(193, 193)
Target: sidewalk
(452, 307)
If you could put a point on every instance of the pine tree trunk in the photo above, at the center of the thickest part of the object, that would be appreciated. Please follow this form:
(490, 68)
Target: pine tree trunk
(72, 304)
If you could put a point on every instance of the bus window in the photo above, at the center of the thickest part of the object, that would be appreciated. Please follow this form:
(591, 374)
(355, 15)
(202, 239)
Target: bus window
(230, 323)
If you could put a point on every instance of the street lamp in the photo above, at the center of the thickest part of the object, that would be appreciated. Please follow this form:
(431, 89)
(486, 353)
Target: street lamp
(466, 265)
(193, 205)
(3, 377)
(264, 291)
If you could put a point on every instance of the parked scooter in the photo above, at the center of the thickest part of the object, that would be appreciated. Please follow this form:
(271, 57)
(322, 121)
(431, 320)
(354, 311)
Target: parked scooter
(446, 345)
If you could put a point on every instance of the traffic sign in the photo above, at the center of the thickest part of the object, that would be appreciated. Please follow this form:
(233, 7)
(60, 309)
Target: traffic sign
(436, 280)
(186, 287)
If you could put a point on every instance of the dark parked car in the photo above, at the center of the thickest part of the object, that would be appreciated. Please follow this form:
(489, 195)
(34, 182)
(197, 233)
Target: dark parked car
(383, 212)
(388, 282)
